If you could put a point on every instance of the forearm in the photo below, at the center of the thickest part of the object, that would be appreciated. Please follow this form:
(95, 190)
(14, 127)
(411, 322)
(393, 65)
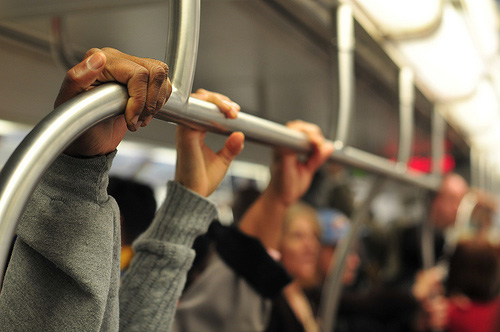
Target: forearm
(264, 220)
(61, 273)
(155, 279)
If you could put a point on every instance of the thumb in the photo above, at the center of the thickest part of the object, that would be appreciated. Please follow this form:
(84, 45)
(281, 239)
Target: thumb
(81, 77)
(232, 147)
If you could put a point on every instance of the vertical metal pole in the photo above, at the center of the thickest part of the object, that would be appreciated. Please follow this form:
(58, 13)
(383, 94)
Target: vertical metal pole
(406, 117)
(345, 40)
(182, 47)
(59, 47)
(474, 167)
(333, 284)
(427, 244)
(437, 142)
(481, 170)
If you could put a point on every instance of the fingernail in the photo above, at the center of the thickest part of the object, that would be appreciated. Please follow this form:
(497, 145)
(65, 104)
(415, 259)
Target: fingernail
(134, 120)
(235, 105)
(147, 121)
(138, 124)
(233, 113)
(95, 62)
(227, 105)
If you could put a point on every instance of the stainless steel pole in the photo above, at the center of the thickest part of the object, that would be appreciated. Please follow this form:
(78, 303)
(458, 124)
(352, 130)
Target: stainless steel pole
(44, 143)
(330, 296)
(345, 40)
(438, 135)
(55, 132)
(406, 117)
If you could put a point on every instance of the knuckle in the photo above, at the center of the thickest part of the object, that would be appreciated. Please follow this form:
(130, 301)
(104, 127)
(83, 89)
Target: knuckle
(158, 75)
(71, 75)
(162, 65)
(141, 74)
(148, 111)
(91, 51)
(108, 49)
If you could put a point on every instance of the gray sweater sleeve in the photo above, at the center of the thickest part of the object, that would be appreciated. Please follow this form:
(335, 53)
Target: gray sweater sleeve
(153, 283)
(64, 271)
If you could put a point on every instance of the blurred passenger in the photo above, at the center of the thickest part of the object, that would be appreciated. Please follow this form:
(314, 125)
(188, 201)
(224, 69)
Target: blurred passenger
(299, 248)
(442, 215)
(130, 195)
(360, 310)
(473, 286)
(426, 286)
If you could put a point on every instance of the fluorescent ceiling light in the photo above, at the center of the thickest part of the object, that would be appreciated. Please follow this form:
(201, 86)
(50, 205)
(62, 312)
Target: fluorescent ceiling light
(487, 141)
(447, 61)
(479, 113)
(484, 24)
(402, 16)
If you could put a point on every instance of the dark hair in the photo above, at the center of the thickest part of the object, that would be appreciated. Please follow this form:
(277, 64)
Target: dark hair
(474, 271)
(137, 206)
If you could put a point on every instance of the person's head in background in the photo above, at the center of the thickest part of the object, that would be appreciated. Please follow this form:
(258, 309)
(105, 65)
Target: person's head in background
(444, 205)
(137, 206)
(474, 271)
(334, 227)
(299, 246)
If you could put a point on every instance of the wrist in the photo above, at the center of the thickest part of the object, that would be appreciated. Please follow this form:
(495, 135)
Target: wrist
(273, 198)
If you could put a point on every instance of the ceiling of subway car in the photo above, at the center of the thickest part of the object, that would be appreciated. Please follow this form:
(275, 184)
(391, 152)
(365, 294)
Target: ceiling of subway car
(259, 54)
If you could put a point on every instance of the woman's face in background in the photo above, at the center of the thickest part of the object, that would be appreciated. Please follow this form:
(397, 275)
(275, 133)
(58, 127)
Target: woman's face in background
(300, 249)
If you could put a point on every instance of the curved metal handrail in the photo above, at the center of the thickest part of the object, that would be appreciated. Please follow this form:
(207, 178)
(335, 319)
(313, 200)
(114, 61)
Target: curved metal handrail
(44, 143)
(59, 47)
(55, 132)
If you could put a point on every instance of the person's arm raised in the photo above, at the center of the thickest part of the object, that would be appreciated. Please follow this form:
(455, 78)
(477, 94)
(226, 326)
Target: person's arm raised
(154, 281)
(290, 179)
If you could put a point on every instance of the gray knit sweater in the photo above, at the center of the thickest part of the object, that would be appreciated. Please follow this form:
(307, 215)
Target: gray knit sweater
(64, 274)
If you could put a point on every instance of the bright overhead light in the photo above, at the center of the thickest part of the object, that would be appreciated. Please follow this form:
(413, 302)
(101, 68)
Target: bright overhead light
(487, 141)
(402, 16)
(483, 20)
(479, 113)
(447, 61)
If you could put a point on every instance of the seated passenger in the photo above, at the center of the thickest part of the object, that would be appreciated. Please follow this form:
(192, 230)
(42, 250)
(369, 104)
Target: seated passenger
(64, 272)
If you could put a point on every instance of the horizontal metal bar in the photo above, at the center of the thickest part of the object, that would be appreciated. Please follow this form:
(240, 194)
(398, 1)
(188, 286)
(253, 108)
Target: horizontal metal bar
(201, 114)
(22, 38)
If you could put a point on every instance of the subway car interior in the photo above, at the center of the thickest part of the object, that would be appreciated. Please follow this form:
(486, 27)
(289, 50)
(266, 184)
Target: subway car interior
(377, 211)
